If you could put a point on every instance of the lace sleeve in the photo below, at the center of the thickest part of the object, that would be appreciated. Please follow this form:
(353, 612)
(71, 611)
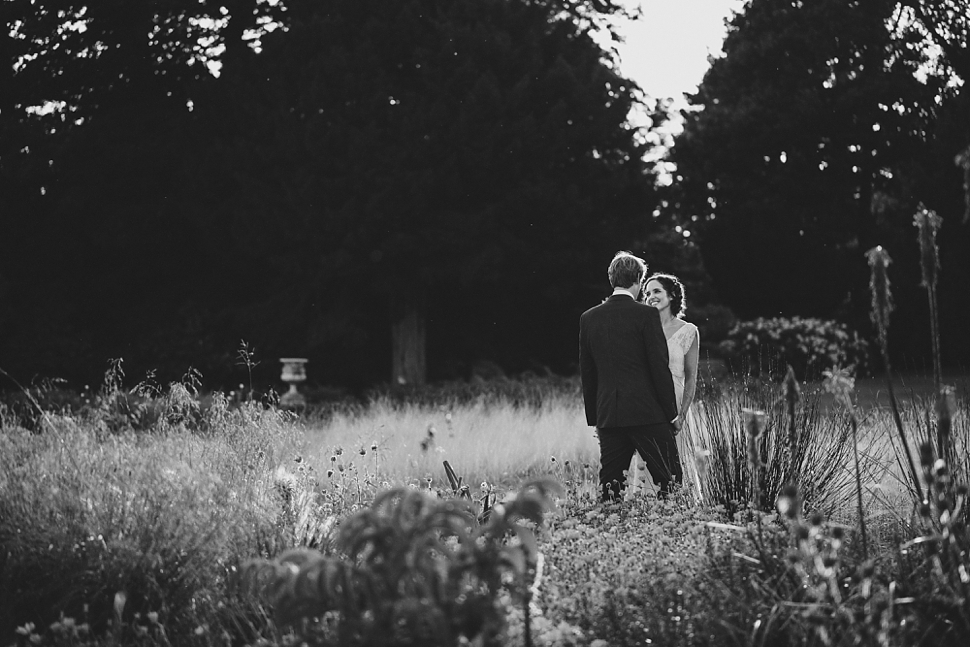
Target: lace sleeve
(687, 339)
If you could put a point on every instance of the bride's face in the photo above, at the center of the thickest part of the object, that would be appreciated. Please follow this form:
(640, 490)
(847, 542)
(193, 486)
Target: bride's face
(656, 295)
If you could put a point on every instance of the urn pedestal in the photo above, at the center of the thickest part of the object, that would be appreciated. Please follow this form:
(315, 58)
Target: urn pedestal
(294, 372)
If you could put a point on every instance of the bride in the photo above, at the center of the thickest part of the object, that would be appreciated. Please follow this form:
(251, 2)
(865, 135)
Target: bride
(665, 292)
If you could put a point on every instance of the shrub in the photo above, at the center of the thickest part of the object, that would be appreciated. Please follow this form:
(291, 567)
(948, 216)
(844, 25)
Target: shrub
(809, 346)
(412, 569)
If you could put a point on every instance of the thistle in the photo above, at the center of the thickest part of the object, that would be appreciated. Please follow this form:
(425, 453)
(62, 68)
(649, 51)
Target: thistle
(882, 307)
(928, 223)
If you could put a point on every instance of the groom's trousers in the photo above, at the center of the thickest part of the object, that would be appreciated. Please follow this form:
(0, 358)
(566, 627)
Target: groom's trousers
(656, 445)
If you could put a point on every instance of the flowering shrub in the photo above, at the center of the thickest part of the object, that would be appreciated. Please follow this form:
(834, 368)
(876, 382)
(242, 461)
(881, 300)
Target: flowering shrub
(808, 345)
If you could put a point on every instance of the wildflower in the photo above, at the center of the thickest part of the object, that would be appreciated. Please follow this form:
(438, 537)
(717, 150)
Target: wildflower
(373, 446)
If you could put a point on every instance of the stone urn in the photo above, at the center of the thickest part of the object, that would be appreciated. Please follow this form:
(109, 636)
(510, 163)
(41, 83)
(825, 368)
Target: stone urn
(294, 372)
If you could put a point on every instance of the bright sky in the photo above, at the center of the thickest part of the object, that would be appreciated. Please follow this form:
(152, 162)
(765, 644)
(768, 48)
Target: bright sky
(666, 50)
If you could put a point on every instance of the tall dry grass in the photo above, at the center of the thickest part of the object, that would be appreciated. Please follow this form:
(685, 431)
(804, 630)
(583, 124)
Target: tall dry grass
(498, 443)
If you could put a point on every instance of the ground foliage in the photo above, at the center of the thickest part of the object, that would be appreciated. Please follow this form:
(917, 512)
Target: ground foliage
(108, 538)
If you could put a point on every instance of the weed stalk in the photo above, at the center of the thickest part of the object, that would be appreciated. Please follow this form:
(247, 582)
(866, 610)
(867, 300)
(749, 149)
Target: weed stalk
(882, 307)
(928, 223)
(841, 384)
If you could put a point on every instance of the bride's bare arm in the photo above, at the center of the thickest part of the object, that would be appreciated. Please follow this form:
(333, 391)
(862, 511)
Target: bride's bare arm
(690, 374)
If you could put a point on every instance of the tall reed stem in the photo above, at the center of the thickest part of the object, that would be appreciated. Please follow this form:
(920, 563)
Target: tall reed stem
(928, 223)
(754, 424)
(838, 382)
(882, 306)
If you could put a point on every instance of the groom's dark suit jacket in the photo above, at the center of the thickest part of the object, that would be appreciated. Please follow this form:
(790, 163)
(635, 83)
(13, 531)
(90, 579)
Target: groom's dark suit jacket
(624, 365)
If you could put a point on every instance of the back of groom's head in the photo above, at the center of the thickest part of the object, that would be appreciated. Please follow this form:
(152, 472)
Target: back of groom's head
(626, 270)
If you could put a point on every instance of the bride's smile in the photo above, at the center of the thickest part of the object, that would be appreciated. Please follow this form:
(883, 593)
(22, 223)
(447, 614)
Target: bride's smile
(656, 295)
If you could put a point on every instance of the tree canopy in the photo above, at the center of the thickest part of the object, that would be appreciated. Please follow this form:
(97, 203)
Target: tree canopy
(813, 138)
(457, 167)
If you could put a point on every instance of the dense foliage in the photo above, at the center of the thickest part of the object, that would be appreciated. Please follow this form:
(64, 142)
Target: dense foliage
(810, 346)
(459, 166)
(816, 136)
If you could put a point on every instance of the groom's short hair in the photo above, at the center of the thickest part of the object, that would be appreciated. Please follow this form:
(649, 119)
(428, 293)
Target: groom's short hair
(626, 270)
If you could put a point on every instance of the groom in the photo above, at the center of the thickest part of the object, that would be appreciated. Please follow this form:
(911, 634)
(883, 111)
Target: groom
(627, 387)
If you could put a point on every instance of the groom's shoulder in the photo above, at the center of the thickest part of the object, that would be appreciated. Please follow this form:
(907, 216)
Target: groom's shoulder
(612, 304)
(591, 311)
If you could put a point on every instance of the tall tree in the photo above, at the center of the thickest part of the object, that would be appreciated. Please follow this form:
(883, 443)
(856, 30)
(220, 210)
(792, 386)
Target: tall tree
(90, 93)
(809, 112)
(407, 153)
(813, 138)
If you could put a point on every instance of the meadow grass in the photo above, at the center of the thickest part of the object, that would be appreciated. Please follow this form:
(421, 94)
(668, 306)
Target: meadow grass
(496, 443)
(98, 506)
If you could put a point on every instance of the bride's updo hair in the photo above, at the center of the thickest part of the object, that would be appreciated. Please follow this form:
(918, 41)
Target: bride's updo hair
(675, 292)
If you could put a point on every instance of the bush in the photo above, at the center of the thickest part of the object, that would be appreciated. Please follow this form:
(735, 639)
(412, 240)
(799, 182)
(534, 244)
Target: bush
(809, 346)
(411, 569)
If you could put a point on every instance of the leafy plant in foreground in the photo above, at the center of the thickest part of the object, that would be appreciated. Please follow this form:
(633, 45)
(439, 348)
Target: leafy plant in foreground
(411, 569)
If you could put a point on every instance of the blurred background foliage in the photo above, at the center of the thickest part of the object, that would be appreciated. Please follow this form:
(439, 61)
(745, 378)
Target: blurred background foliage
(178, 175)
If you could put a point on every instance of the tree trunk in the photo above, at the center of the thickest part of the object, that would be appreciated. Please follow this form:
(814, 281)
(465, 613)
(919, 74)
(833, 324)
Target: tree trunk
(408, 365)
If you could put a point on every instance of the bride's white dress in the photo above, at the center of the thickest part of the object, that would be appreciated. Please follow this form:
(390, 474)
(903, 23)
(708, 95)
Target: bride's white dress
(677, 346)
